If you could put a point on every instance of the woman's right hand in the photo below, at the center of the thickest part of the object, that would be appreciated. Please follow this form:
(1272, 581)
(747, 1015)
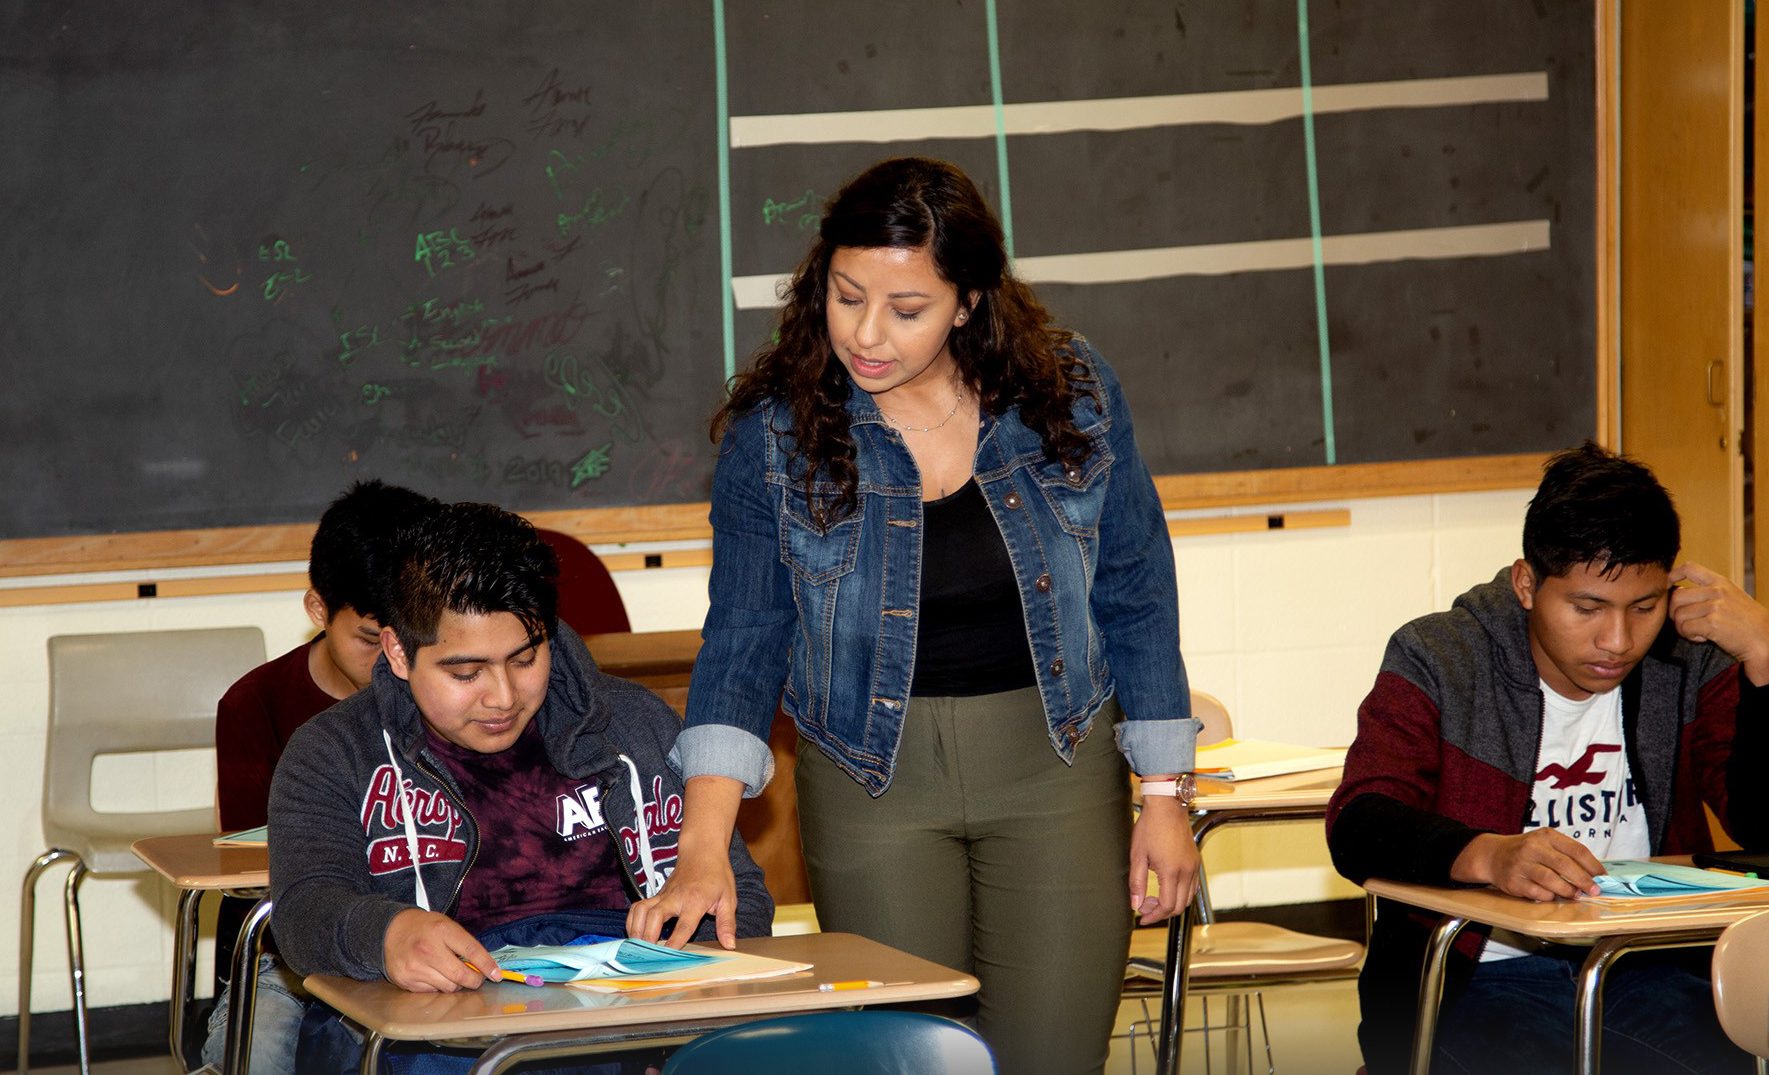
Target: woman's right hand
(701, 885)
(702, 882)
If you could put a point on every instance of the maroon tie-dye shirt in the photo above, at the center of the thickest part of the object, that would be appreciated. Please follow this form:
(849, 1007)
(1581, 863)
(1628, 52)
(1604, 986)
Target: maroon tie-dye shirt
(543, 842)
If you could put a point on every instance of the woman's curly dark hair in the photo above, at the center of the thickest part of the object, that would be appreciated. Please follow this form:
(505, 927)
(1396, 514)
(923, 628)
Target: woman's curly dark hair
(1007, 351)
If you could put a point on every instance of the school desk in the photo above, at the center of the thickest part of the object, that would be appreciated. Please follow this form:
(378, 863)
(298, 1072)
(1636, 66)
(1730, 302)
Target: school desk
(195, 865)
(534, 1023)
(1219, 804)
(1609, 930)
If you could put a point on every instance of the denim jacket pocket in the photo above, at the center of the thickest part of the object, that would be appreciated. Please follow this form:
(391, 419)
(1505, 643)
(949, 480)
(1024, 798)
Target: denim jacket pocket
(1076, 493)
(818, 556)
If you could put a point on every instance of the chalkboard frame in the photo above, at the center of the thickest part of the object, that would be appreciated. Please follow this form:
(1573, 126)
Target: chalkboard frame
(165, 549)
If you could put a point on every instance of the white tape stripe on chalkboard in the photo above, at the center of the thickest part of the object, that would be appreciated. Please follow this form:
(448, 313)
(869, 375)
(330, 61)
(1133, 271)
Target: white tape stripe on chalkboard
(1220, 259)
(1130, 113)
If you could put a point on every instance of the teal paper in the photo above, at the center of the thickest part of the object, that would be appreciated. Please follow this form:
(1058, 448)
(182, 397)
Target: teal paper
(1634, 877)
(609, 959)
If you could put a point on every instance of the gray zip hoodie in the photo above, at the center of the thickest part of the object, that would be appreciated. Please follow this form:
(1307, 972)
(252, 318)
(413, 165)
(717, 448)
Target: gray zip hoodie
(358, 797)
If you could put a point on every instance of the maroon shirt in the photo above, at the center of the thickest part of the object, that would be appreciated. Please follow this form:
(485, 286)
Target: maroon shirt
(543, 843)
(252, 726)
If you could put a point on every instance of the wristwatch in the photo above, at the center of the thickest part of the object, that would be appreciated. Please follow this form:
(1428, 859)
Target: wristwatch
(1183, 787)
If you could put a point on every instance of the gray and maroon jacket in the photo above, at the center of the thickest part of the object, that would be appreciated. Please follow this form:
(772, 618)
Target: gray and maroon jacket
(1447, 749)
(342, 853)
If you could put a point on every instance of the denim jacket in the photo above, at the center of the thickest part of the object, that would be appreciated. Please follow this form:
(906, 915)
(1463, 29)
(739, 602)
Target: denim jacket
(831, 617)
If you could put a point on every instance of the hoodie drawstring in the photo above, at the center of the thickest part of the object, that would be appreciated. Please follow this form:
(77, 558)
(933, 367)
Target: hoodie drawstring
(411, 829)
(653, 883)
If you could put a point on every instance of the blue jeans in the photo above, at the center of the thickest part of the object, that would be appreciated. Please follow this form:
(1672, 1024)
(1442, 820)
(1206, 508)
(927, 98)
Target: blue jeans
(1516, 1016)
(276, 1020)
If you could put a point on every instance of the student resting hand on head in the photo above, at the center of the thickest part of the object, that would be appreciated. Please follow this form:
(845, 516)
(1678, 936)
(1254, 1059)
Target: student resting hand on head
(1585, 704)
(351, 553)
(934, 538)
(490, 786)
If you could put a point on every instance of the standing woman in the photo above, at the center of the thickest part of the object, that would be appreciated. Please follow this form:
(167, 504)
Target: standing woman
(934, 534)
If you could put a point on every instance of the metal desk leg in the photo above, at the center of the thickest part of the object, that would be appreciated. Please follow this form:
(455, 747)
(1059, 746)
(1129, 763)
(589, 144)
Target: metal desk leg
(1173, 991)
(371, 1054)
(237, 1055)
(1431, 992)
(184, 966)
(1588, 1001)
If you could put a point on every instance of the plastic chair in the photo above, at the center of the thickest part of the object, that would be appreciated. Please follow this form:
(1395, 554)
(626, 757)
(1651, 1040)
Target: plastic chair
(118, 694)
(851, 1042)
(1741, 992)
(588, 599)
(1233, 958)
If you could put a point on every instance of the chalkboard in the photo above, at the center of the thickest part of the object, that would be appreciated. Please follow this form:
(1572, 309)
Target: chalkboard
(512, 251)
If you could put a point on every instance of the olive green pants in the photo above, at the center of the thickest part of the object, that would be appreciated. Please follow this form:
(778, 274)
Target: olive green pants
(990, 855)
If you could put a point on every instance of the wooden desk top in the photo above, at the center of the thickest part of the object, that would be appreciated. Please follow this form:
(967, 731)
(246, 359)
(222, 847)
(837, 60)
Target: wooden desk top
(645, 654)
(1290, 790)
(1578, 921)
(194, 861)
(500, 1008)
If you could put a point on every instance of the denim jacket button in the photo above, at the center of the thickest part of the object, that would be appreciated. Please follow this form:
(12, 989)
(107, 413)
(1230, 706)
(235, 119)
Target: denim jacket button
(1073, 474)
(1056, 667)
(1012, 500)
(1043, 584)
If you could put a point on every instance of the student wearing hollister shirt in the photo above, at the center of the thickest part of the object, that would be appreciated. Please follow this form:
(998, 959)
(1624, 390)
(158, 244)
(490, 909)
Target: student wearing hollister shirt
(1585, 704)
(530, 790)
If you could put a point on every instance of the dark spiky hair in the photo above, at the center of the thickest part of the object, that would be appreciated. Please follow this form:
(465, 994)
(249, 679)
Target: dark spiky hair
(353, 551)
(472, 559)
(1596, 507)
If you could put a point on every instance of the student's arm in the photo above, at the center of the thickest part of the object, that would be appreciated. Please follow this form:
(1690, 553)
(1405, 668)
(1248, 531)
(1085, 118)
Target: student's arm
(426, 952)
(325, 919)
(1380, 822)
(722, 752)
(1728, 744)
(1707, 607)
(245, 757)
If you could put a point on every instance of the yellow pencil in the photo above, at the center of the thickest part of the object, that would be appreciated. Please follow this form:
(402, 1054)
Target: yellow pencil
(510, 976)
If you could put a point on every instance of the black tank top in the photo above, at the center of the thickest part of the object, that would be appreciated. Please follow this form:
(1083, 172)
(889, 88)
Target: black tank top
(972, 634)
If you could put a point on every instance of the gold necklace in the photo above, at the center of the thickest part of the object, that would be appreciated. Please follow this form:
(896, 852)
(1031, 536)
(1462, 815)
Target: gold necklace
(957, 399)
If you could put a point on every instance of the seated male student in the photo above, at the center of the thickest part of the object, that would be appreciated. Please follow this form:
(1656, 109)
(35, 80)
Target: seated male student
(490, 786)
(351, 550)
(1552, 718)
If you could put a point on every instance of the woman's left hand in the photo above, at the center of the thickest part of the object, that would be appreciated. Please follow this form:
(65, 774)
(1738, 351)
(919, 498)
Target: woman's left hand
(1162, 843)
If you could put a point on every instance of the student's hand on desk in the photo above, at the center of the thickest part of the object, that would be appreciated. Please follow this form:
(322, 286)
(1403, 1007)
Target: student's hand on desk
(1707, 607)
(1162, 842)
(699, 886)
(423, 952)
(1542, 865)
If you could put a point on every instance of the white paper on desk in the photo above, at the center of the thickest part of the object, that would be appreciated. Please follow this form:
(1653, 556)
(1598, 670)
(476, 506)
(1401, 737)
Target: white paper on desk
(1250, 759)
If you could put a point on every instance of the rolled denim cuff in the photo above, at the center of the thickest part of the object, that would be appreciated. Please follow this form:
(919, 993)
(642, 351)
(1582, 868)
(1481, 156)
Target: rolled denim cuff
(721, 750)
(1159, 746)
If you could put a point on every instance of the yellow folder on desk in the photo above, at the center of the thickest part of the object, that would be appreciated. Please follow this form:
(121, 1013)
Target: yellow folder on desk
(1250, 759)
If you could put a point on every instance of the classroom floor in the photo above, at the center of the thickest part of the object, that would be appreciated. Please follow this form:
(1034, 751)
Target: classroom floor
(1313, 1030)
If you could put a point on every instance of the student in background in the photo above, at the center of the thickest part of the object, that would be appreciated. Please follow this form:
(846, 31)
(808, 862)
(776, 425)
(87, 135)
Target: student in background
(1584, 704)
(489, 787)
(352, 550)
(932, 529)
